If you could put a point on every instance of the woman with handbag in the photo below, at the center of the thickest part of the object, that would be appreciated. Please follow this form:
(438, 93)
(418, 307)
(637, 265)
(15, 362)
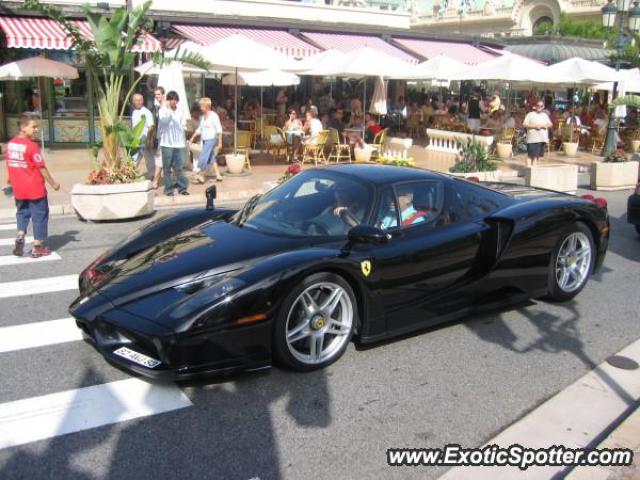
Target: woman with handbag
(210, 133)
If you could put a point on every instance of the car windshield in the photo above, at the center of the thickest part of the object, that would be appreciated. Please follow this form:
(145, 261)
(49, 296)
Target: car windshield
(313, 203)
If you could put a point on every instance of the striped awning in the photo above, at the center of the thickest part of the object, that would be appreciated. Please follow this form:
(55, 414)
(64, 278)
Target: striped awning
(347, 42)
(462, 52)
(28, 32)
(280, 40)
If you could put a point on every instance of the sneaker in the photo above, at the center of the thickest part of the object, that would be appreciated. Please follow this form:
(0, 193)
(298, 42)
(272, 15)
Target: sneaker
(40, 251)
(18, 247)
(184, 192)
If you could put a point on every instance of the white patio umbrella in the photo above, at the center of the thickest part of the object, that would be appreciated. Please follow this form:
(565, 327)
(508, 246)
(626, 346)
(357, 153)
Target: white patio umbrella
(442, 67)
(239, 53)
(170, 78)
(630, 78)
(379, 99)
(150, 68)
(322, 61)
(37, 67)
(508, 67)
(580, 71)
(367, 62)
(264, 78)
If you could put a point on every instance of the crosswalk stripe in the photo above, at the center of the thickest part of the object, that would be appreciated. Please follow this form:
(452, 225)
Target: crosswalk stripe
(9, 226)
(38, 334)
(8, 242)
(38, 418)
(10, 260)
(40, 285)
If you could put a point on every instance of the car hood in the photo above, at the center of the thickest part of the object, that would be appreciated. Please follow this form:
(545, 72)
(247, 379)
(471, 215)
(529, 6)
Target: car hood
(216, 246)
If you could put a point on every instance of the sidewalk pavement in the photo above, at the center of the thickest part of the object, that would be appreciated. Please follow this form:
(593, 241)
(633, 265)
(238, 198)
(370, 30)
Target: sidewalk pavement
(71, 166)
(626, 435)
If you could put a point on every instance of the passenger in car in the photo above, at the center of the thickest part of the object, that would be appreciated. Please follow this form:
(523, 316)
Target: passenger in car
(408, 213)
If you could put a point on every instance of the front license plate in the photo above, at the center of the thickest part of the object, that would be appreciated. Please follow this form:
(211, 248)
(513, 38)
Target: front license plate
(137, 357)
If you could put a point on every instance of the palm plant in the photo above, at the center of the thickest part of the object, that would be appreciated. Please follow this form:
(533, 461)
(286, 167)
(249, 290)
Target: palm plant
(109, 60)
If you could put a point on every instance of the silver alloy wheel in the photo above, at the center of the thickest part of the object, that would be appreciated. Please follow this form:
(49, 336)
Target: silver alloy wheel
(319, 323)
(573, 262)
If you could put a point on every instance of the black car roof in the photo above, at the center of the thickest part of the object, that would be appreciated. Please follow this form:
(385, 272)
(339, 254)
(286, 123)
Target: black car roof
(384, 174)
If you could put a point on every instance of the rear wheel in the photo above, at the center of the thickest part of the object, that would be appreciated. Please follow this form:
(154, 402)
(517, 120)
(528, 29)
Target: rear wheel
(571, 263)
(637, 229)
(315, 323)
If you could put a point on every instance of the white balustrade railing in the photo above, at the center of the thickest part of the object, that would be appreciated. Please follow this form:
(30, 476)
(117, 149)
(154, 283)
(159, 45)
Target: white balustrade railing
(451, 142)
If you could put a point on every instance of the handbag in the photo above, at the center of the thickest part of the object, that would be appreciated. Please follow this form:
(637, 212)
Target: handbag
(275, 139)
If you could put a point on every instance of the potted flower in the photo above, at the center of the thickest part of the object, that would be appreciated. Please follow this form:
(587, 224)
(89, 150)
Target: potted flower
(397, 160)
(291, 170)
(473, 161)
(615, 172)
(114, 189)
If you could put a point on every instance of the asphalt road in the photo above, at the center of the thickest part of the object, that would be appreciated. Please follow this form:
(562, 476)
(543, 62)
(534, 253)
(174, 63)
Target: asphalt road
(460, 383)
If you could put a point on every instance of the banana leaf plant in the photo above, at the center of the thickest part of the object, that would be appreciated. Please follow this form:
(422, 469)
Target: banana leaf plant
(109, 60)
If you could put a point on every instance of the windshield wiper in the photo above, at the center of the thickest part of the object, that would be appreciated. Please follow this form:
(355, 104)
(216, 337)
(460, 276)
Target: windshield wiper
(243, 215)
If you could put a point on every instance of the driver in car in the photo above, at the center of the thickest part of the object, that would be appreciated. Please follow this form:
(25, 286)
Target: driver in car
(408, 214)
(346, 207)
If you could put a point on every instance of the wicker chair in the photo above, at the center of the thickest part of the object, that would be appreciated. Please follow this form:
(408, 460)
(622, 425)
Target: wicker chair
(378, 143)
(273, 146)
(598, 142)
(339, 150)
(315, 150)
(244, 145)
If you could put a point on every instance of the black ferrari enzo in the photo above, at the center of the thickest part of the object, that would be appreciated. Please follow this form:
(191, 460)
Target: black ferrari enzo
(360, 250)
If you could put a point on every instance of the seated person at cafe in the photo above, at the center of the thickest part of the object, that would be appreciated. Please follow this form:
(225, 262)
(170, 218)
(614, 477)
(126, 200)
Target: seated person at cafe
(408, 213)
(373, 128)
(335, 121)
(312, 127)
(293, 129)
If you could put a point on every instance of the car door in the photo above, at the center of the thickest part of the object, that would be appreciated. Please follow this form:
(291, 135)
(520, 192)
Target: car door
(422, 270)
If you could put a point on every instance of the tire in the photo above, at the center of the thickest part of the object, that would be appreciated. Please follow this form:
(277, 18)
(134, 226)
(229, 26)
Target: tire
(637, 229)
(309, 335)
(571, 263)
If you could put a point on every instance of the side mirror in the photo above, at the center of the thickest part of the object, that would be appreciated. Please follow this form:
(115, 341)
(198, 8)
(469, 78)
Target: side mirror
(211, 194)
(368, 234)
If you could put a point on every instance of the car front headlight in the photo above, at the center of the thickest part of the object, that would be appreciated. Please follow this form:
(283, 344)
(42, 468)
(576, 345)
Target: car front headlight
(201, 280)
(218, 290)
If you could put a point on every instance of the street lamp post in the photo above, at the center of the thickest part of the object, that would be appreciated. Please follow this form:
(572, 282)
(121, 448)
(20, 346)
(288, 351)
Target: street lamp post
(609, 12)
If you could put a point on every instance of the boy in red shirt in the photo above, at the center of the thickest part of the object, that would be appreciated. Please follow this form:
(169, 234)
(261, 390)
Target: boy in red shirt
(26, 173)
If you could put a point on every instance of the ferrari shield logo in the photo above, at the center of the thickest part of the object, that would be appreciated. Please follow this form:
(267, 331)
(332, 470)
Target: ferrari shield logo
(365, 266)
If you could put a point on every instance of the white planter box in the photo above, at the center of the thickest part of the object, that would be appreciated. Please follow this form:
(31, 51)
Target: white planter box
(561, 178)
(614, 176)
(495, 176)
(113, 202)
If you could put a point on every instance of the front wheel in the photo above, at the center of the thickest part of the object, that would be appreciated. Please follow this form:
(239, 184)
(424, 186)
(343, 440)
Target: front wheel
(315, 323)
(571, 263)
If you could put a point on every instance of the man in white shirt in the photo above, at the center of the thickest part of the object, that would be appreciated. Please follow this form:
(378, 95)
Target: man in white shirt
(158, 103)
(313, 126)
(138, 114)
(171, 123)
(537, 124)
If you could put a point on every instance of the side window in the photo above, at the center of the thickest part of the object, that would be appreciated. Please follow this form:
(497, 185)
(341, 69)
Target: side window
(476, 201)
(387, 211)
(419, 202)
